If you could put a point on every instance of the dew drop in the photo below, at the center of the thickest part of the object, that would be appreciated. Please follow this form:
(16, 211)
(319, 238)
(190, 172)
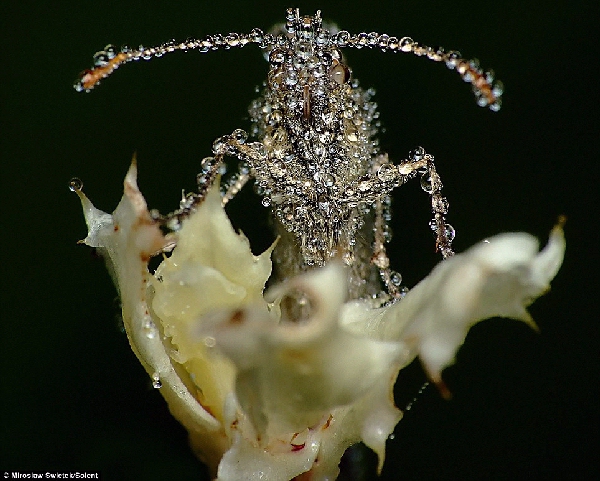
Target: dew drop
(386, 173)
(111, 51)
(75, 184)
(156, 382)
(173, 224)
(266, 202)
(207, 163)
(426, 184)
(406, 44)
(210, 341)
(100, 59)
(396, 278)
(150, 329)
(240, 135)
(450, 232)
(417, 154)
(324, 204)
(328, 180)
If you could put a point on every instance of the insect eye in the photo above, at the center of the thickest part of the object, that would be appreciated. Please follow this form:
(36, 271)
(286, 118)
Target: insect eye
(339, 73)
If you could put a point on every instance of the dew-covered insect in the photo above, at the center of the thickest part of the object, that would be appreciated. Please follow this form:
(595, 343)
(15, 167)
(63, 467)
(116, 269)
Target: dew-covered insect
(315, 157)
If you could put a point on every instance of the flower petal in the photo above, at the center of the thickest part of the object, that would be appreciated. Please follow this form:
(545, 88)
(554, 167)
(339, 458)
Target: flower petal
(311, 373)
(127, 239)
(211, 268)
(499, 277)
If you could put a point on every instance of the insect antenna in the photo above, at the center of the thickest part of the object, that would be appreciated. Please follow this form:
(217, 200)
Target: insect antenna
(488, 91)
(109, 59)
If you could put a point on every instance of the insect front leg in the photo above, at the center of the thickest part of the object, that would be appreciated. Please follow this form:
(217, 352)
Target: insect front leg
(422, 163)
(235, 183)
(250, 156)
(232, 145)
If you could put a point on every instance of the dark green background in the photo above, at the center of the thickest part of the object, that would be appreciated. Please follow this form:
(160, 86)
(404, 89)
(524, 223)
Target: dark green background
(74, 397)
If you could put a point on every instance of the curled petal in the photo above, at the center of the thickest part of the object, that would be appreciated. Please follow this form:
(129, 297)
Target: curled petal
(498, 277)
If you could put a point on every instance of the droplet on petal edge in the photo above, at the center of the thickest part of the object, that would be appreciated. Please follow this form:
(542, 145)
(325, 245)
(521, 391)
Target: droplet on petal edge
(75, 184)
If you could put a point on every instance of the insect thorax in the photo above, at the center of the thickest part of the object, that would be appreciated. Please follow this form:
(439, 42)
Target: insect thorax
(318, 131)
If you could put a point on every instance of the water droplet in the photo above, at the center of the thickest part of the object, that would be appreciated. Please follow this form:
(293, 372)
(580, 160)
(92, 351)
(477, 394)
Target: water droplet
(210, 341)
(391, 437)
(339, 73)
(426, 184)
(396, 278)
(266, 202)
(352, 136)
(494, 107)
(100, 59)
(277, 56)
(291, 78)
(386, 173)
(498, 89)
(173, 224)
(417, 154)
(75, 184)
(259, 148)
(482, 101)
(324, 204)
(111, 51)
(240, 135)
(450, 232)
(328, 180)
(150, 329)
(207, 163)
(156, 382)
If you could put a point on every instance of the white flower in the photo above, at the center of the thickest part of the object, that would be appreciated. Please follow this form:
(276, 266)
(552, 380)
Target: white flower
(266, 397)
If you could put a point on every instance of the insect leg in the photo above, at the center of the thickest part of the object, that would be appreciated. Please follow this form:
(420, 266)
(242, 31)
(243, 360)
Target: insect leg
(423, 163)
(391, 279)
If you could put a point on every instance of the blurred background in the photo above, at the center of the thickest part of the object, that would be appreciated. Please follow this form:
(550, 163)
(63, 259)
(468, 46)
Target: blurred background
(525, 405)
